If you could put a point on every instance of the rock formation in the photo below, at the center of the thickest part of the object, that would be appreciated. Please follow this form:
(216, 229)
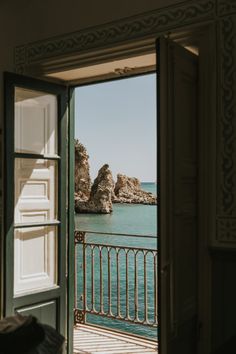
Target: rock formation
(82, 176)
(98, 198)
(101, 195)
(128, 190)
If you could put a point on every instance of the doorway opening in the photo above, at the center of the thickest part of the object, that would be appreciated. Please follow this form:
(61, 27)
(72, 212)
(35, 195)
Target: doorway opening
(115, 268)
(116, 205)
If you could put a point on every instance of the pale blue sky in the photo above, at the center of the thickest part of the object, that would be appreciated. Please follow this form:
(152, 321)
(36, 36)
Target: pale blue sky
(116, 122)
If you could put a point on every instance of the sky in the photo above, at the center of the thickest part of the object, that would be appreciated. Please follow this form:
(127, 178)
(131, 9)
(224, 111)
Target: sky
(116, 122)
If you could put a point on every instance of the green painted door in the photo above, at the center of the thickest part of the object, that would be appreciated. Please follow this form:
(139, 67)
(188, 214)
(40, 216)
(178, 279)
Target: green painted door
(177, 82)
(36, 200)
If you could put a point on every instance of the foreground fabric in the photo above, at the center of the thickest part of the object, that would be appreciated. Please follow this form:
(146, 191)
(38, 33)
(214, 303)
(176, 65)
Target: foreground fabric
(25, 335)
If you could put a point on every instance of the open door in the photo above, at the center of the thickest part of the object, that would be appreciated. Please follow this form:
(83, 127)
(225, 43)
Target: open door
(177, 82)
(36, 197)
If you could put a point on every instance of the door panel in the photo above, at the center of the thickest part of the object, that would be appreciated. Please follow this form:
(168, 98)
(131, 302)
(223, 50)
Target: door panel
(35, 199)
(42, 311)
(35, 112)
(36, 190)
(178, 90)
(35, 259)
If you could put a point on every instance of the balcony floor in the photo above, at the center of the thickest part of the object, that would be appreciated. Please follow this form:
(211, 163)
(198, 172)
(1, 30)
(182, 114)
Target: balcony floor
(89, 340)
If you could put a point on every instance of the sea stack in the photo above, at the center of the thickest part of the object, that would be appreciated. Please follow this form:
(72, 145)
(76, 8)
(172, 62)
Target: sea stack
(101, 195)
(82, 175)
(128, 190)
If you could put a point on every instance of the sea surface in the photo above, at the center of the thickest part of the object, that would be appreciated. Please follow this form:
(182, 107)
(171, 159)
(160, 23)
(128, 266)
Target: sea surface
(125, 219)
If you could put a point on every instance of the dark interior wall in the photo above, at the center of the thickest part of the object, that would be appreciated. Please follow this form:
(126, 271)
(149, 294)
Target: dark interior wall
(27, 21)
(33, 20)
(224, 290)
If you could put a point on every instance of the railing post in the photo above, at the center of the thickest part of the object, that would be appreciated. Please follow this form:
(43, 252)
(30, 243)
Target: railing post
(80, 315)
(135, 286)
(101, 281)
(109, 280)
(92, 278)
(118, 282)
(127, 282)
(155, 290)
(145, 288)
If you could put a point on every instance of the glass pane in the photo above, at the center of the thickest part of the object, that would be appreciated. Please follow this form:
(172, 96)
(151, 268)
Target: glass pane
(36, 190)
(35, 122)
(35, 259)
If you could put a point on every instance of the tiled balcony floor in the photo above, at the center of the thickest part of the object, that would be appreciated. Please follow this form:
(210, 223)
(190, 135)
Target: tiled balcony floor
(89, 340)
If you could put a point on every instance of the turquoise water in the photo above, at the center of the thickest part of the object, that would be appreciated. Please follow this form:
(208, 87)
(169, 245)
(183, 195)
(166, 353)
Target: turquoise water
(128, 219)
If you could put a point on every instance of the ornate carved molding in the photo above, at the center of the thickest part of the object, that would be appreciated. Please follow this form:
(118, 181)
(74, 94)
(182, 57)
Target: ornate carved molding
(142, 26)
(226, 189)
(226, 230)
(226, 7)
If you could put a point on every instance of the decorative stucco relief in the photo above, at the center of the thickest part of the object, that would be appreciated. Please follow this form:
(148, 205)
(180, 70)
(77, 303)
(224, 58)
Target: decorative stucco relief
(226, 145)
(226, 230)
(141, 26)
(226, 7)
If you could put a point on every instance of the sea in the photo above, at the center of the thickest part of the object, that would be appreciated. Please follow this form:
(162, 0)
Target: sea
(135, 219)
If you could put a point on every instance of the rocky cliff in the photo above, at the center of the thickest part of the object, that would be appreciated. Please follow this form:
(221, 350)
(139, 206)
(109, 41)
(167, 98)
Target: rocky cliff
(128, 190)
(101, 195)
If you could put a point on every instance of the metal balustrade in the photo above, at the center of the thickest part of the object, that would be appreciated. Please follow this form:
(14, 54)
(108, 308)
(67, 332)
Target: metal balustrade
(116, 281)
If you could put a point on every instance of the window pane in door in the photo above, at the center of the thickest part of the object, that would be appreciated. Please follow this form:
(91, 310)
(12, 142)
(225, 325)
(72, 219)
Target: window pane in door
(35, 259)
(35, 122)
(36, 190)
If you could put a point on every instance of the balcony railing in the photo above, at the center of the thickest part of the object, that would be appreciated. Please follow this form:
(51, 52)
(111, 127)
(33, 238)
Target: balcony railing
(116, 277)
